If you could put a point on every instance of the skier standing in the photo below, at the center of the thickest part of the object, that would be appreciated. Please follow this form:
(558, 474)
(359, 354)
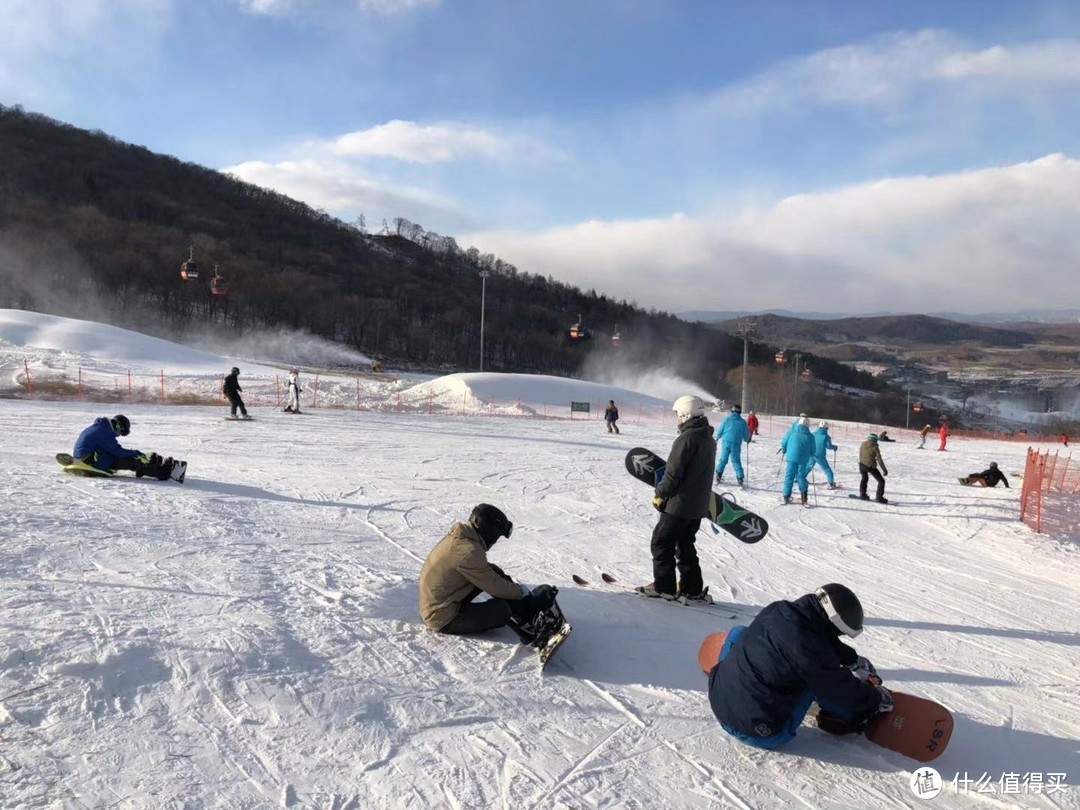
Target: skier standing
(943, 434)
(292, 405)
(231, 389)
(611, 416)
(682, 498)
(1065, 439)
(822, 445)
(457, 571)
(798, 447)
(989, 477)
(731, 434)
(752, 424)
(922, 437)
(97, 446)
(769, 674)
(869, 459)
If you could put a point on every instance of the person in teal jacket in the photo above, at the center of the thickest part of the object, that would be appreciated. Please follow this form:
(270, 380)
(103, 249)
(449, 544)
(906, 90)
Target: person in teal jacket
(822, 445)
(731, 434)
(798, 447)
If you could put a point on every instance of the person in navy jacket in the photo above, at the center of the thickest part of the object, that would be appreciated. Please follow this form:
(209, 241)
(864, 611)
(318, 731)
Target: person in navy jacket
(98, 447)
(768, 674)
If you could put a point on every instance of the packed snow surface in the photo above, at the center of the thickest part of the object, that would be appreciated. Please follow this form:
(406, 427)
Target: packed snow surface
(251, 639)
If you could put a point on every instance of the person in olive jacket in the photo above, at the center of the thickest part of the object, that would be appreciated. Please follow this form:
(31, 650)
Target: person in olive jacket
(869, 461)
(682, 498)
(457, 571)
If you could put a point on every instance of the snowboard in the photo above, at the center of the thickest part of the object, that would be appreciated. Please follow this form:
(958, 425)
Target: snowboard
(547, 652)
(916, 727)
(724, 513)
(239, 418)
(75, 467)
(890, 503)
(968, 482)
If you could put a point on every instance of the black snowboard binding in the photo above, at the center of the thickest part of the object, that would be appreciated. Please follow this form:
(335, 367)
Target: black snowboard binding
(537, 631)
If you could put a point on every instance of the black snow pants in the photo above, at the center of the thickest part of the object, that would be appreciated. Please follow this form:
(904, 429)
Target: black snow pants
(864, 473)
(673, 547)
(236, 402)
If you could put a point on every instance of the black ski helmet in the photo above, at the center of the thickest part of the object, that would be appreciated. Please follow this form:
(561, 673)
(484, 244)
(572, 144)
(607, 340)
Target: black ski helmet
(235, 370)
(121, 425)
(993, 465)
(842, 607)
(490, 522)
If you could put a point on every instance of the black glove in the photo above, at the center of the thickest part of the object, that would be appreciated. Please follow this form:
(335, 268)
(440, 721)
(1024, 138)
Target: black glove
(884, 472)
(544, 596)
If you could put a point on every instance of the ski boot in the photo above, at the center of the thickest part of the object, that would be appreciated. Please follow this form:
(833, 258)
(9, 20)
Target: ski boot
(719, 479)
(651, 592)
(701, 598)
(803, 499)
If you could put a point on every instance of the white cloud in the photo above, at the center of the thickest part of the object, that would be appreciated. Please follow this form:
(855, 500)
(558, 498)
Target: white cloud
(345, 190)
(267, 7)
(444, 142)
(890, 67)
(1055, 60)
(395, 6)
(997, 238)
(418, 143)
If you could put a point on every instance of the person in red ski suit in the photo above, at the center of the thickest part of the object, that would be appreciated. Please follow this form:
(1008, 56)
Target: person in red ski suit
(752, 423)
(944, 434)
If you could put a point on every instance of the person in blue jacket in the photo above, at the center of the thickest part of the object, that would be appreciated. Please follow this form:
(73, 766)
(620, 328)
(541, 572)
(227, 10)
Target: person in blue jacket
(98, 447)
(822, 445)
(731, 435)
(798, 447)
(768, 674)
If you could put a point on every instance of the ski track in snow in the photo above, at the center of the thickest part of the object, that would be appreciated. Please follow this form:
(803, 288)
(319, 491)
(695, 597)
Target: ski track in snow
(251, 639)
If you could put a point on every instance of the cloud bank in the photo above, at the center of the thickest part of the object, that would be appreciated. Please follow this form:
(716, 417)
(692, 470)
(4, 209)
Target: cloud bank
(989, 239)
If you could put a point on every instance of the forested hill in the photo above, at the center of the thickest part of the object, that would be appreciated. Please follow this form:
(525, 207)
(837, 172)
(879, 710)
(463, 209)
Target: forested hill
(93, 226)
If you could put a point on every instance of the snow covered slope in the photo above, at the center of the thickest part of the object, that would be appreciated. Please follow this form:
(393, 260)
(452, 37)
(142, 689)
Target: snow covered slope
(251, 639)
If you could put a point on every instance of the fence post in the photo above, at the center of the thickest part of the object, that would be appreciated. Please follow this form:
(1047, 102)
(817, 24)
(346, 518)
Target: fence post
(80, 396)
(357, 393)
(315, 396)
(29, 380)
(130, 393)
(430, 402)
(163, 386)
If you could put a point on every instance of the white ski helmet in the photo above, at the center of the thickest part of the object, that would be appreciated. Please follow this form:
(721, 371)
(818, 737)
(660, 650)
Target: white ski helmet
(804, 421)
(823, 424)
(687, 407)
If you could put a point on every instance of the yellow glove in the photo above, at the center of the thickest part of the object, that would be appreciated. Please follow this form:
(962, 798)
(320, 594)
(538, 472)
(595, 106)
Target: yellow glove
(659, 503)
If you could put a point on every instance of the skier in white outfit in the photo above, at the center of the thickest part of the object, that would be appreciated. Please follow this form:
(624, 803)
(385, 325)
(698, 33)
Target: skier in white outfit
(292, 405)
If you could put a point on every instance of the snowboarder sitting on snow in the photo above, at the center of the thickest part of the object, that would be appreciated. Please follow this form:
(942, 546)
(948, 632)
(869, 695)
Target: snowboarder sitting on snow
(457, 571)
(885, 437)
(98, 447)
(730, 435)
(990, 477)
(682, 498)
(869, 459)
(292, 405)
(611, 416)
(768, 674)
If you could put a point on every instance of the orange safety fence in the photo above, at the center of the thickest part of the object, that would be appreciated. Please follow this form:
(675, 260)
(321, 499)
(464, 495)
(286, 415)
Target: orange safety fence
(1046, 475)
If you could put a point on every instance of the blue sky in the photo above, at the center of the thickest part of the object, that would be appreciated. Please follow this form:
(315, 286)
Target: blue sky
(835, 156)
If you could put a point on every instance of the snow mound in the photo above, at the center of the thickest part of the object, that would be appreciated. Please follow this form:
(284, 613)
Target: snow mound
(52, 340)
(522, 393)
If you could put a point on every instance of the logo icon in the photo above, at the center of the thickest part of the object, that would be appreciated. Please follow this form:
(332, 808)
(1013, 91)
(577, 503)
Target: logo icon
(926, 783)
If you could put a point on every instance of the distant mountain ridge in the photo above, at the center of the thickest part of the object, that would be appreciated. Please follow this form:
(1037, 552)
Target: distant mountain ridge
(1023, 316)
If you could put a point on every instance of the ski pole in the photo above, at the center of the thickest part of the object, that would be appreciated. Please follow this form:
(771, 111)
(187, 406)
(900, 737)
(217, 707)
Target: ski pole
(813, 477)
(746, 472)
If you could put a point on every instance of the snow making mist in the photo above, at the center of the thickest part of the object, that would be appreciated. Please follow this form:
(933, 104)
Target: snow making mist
(625, 372)
(281, 346)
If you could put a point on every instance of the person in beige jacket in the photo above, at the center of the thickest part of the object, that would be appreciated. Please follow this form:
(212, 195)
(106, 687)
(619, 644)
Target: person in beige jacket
(869, 460)
(457, 571)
